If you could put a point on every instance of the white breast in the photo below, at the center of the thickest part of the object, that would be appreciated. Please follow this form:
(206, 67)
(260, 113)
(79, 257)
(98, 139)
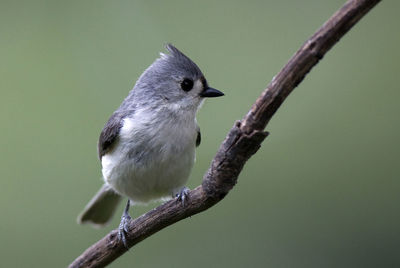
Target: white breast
(153, 156)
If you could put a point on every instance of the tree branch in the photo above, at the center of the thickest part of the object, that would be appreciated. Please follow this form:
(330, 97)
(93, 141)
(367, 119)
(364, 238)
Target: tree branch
(242, 141)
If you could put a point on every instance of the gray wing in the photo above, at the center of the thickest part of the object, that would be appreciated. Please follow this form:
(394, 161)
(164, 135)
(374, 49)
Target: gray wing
(109, 134)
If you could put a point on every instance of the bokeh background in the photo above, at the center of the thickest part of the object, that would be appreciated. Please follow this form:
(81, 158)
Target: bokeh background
(323, 191)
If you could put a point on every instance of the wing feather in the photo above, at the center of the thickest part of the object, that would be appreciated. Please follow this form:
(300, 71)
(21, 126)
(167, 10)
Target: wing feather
(109, 134)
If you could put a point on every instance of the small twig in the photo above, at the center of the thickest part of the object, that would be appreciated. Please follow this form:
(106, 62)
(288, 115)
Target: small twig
(242, 141)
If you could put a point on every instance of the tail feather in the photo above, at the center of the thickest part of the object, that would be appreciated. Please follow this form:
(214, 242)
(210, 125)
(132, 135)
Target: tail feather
(101, 208)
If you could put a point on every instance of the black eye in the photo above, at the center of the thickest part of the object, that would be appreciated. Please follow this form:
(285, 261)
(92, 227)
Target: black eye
(187, 84)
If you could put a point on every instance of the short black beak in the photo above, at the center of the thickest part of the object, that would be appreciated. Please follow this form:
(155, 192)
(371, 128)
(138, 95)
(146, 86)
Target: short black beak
(211, 93)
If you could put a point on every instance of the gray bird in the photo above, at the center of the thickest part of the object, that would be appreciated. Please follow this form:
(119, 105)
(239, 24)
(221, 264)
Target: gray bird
(147, 147)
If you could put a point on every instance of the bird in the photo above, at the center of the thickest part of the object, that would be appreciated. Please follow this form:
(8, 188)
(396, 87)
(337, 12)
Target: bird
(147, 147)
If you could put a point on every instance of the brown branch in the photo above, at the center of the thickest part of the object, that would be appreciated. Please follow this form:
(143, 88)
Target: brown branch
(242, 141)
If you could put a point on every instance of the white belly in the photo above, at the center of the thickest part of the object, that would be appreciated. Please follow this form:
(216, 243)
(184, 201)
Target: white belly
(154, 167)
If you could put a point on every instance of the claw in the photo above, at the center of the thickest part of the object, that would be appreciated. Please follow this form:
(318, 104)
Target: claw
(183, 195)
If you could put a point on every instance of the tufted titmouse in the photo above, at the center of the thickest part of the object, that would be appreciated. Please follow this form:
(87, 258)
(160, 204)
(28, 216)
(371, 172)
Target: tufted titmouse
(147, 147)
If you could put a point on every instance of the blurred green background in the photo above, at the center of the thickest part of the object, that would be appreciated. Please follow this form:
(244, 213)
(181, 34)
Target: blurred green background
(323, 191)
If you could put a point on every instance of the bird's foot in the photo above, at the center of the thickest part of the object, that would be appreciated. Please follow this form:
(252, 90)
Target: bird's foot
(123, 226)
(183, 195)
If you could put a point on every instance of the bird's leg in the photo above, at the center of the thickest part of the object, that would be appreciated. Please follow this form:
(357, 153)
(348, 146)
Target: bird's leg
(183, 195)
(123, 225)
